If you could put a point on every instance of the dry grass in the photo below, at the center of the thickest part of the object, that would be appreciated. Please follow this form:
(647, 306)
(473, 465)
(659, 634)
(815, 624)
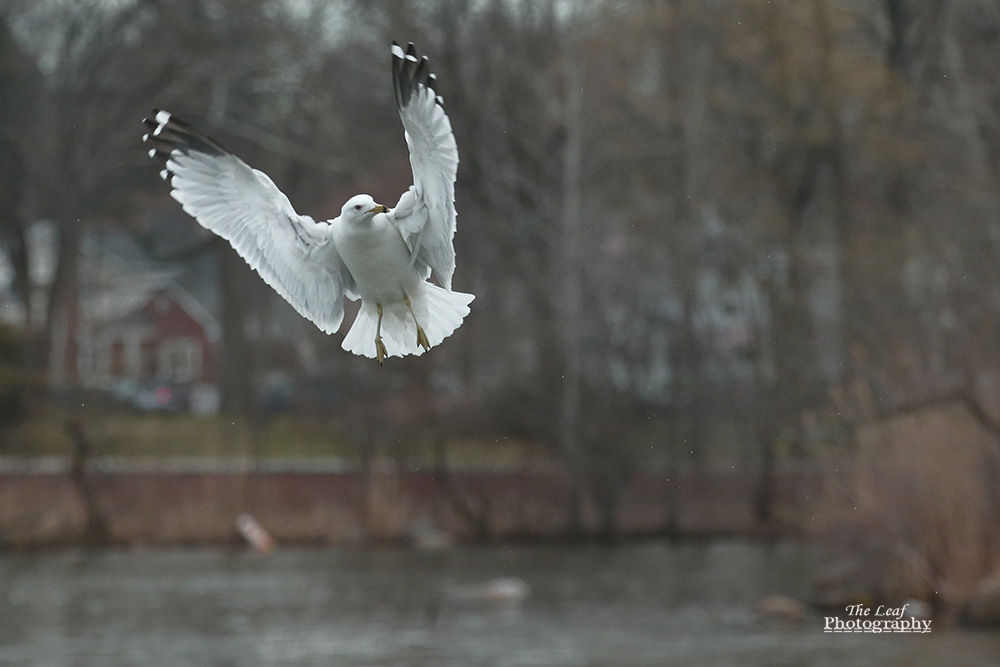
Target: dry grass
(914, 505)
(125, 434)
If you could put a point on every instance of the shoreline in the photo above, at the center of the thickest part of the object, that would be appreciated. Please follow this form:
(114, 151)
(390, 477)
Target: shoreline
(152, 503)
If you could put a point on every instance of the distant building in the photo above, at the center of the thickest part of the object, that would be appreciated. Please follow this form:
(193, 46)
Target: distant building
(150, 339)
(140, 332)
(137, 331)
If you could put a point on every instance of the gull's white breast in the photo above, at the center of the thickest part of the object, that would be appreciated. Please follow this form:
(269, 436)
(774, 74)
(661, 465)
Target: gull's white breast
(378, 259)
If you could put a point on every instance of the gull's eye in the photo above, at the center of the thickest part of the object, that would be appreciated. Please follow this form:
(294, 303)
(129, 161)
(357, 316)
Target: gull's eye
(357, 207)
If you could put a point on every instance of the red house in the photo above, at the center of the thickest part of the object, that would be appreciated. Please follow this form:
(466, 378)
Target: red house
(143, 336)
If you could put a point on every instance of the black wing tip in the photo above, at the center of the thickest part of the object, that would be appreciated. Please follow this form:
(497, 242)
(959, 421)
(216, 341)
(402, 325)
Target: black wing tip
(167, 134)
(410, 73)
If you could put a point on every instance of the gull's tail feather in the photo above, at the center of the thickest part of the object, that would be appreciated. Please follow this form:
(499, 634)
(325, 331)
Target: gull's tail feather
(443, 311)
(439, 311)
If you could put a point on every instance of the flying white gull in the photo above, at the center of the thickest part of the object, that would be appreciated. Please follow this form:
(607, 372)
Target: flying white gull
(384, 256)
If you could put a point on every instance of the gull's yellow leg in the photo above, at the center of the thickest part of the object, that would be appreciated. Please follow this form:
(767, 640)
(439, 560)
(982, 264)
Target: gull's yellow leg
(421, 336)
(380, 350)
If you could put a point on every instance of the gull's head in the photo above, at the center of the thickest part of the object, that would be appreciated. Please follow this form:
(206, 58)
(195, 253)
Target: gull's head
(361, 207)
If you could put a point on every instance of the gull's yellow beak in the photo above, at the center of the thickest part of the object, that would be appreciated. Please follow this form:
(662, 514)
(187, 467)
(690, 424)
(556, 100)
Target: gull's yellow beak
(378, 209)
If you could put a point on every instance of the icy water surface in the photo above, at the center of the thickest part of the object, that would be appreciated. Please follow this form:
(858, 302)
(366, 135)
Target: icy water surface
(649, 604)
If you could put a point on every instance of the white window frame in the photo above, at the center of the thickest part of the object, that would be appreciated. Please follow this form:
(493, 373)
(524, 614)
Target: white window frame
(179, 359)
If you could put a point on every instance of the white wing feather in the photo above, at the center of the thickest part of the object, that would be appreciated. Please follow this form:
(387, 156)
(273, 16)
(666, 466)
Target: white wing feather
(425, 214)
(292, 253)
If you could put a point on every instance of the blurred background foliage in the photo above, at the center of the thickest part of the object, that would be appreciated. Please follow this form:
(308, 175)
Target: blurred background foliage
(690, 218)
(694, 228)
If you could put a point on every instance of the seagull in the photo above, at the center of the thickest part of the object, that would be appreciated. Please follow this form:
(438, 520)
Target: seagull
(384, 256)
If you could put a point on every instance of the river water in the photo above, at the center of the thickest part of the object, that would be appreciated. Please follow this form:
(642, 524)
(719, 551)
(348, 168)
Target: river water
(644, 604)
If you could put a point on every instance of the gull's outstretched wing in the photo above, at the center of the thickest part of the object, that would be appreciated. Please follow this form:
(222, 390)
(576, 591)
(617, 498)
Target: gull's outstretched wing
(292, 253)
(425, 214)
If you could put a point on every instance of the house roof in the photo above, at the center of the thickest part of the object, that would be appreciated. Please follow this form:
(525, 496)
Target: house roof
(120, 276)
(110, 306)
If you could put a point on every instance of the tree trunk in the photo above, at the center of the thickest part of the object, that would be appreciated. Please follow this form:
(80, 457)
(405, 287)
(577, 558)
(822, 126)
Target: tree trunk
(235, 387)
(62, 310)
(569, 304)
(96, 532)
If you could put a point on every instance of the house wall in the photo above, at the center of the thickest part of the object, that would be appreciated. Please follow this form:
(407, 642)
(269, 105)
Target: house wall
(170, 320)
(156, 340)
